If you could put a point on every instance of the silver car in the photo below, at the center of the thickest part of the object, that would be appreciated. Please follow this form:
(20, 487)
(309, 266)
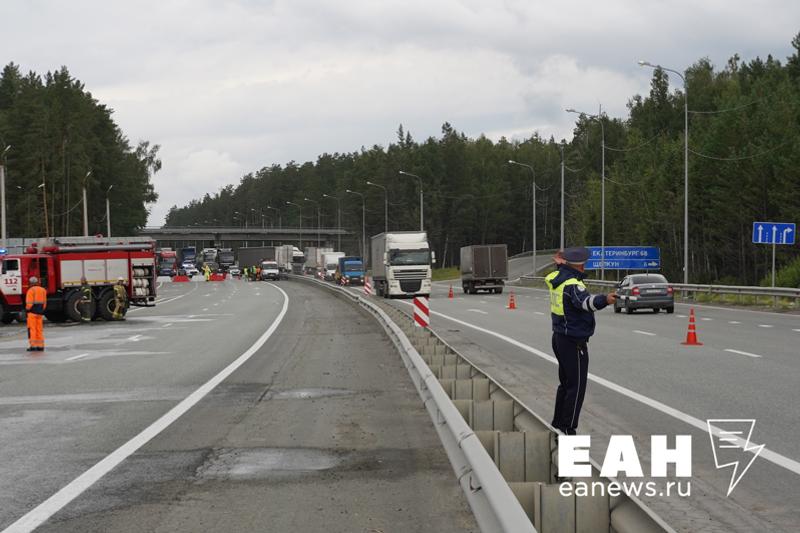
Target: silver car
(644, 291)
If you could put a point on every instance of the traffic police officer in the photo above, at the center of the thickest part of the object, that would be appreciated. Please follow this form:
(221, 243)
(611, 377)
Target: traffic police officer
(572, 310)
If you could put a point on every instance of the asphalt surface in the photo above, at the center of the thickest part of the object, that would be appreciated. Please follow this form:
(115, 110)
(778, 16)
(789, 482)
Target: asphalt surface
(747, 368)
(319, 429)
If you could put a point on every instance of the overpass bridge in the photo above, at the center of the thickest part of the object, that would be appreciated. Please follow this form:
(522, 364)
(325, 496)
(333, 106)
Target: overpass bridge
(236, 237)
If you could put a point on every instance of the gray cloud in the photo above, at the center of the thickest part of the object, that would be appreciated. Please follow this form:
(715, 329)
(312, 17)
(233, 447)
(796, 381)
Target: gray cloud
(229, 87)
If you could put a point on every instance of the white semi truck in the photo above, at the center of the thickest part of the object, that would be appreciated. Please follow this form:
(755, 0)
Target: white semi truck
(401, 264)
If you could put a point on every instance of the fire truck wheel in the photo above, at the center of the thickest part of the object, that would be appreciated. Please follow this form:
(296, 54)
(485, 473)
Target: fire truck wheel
(73, 307)
(105, 306)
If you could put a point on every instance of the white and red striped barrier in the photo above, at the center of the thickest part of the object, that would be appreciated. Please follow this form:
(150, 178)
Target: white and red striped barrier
(367, 287)
(422, 312)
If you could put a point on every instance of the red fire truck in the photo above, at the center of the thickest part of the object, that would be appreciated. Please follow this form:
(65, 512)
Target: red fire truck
(61, 262)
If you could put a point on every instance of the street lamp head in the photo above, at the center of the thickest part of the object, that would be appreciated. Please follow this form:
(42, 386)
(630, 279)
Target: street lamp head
(109, 188)
(643, 63)
(370, 183)
(512, 162)
(570, 110)
(41, 185)
(6, 149)
(348, 190)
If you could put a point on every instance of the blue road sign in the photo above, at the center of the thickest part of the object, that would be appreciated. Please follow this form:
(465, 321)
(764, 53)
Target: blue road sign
(774, 232)
(625, 258)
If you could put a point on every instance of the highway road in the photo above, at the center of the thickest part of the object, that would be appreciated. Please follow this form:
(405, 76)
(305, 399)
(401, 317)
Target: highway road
(229, 406)
(644, 382)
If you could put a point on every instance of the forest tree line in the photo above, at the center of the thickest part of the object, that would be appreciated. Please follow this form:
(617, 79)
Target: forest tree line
(744, 166)
(57, 133)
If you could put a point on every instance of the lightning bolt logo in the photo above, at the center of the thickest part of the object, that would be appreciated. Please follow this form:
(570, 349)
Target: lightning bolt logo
(730, 435)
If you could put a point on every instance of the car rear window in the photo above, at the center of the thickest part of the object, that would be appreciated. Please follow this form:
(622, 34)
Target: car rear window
(649, 278)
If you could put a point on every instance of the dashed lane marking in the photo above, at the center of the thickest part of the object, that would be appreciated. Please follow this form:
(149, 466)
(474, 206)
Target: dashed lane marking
(640, 332)
(76, 357)
(766, 326)
(748, 354)
(477, 311)
(733, 322)
(167, 325)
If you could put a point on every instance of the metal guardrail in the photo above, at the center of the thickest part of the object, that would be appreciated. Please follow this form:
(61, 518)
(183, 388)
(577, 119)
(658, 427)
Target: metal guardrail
(773, 292)
(499, 503)
(493, 503)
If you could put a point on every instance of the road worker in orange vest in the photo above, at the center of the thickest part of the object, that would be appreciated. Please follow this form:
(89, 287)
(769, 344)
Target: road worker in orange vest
(35, 304)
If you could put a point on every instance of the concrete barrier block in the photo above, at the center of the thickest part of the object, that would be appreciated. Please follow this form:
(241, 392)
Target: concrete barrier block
(538, 463)
(449, 371)
(486, 438)
(592, 514)
(557, 511)
(463, 372)
(440, 349)
(526, 495)
(437, 360)
(436, 371)
(509, 455)
(428, 351)
(483, 416)
(463, 389)
(465, 408)
(447, 385)
(503, 415)
(451, 358)
(480, 389)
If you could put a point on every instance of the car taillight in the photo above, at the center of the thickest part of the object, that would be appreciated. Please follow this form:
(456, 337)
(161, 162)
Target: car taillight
(669, 290)
(635, 291)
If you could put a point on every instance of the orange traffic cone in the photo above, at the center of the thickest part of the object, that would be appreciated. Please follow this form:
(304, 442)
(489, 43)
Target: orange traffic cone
(512, 301)
(450, 293)
(691, 335)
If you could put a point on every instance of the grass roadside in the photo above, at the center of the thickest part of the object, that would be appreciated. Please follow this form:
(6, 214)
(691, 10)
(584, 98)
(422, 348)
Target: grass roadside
(443, 274)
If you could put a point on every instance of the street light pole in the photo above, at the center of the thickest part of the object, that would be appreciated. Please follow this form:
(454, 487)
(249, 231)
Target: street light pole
(533, 204)
(108, 212)
(385, 206)
(300, 211)
(421, 216)
(363, 223)
(685, 164)
(338, 220)
(3, 234)
(319, 219)
(561, 241)
(279, 215)
(85, 207)
(599, 118)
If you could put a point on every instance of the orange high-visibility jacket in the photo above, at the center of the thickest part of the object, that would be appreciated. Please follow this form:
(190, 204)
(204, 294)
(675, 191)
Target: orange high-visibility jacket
(36, 300)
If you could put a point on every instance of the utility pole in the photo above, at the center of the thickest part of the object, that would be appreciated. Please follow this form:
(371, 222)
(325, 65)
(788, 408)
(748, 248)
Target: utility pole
(421, 203)
(363, 223)
(338, 220)
(3, 233)
(319, 219)
(300, 212)
(85, 207)
(385, 206)
(108, 212)
(533, 206)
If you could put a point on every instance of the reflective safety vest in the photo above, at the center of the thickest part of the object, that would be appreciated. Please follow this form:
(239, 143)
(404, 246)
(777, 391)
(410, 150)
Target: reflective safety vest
(557, 293)
(36, 300)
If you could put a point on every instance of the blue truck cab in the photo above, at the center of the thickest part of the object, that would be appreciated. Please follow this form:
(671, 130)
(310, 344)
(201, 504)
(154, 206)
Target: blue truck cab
(350, 270)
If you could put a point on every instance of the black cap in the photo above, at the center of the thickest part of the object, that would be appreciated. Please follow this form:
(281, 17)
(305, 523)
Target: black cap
(576, 255)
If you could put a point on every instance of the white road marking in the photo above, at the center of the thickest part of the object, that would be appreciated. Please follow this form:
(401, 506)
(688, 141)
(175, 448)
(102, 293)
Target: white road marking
(769, 455)
(205, 309)
(478, 311)
(733, 322)
(748, 354)
(705, 318)
(538, 313)
(42, 512)
(766, 326)
(76, 357)
(681, 316)
(796, 330)
(640, 332)
(167, 325)
(483, 301)
(135, 338)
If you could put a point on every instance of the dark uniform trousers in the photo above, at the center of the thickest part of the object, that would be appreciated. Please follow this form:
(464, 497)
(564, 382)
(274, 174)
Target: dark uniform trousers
(573, 369)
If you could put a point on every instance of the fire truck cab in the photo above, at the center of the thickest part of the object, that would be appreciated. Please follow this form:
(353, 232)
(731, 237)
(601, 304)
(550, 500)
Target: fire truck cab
(60, 263)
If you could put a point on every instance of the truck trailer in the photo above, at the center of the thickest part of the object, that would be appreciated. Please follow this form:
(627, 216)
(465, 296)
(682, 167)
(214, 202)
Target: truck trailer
(314, 255)
(484, 267)
(59, 263)
(401, 264)
(254, 255)
(167, 260)
(225, 258)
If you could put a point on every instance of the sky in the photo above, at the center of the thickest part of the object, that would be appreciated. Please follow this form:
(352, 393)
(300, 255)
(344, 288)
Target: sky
(226, 87)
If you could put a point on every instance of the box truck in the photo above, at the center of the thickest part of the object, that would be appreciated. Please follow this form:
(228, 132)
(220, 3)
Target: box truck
(330, 262)
(350, 270)
(484, 267)
(401, 264)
